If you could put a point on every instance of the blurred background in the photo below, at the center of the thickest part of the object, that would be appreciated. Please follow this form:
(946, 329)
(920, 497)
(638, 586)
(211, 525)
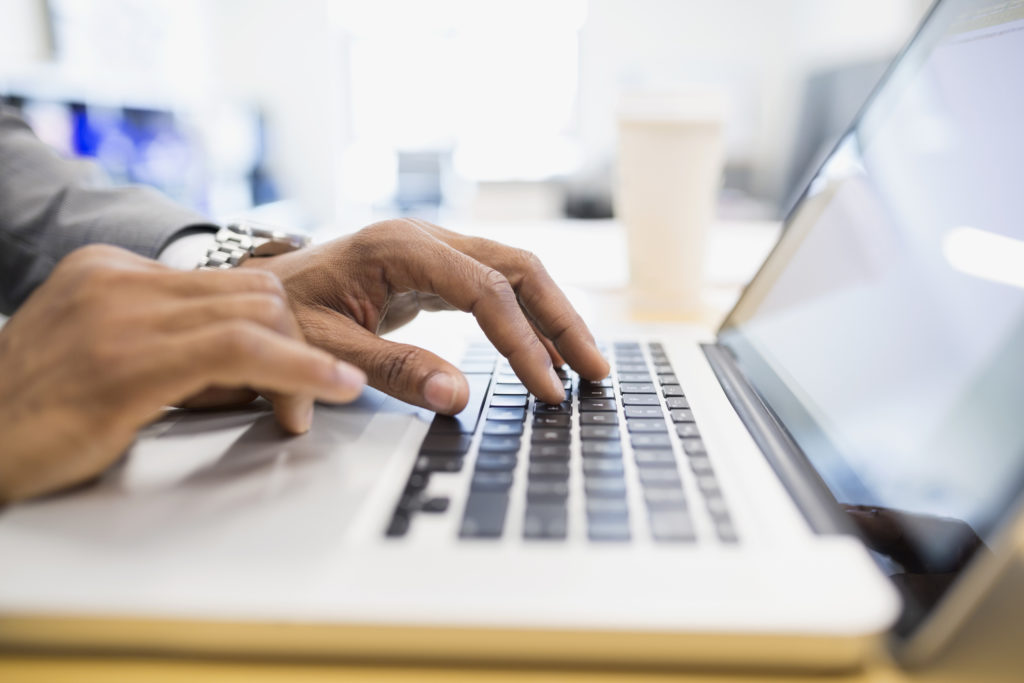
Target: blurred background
(339, 112)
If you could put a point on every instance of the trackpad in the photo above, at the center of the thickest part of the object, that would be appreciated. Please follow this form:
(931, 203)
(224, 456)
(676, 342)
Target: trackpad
(233, 482)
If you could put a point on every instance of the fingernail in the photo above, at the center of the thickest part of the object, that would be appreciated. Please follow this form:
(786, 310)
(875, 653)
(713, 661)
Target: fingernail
(349, 375)
(440, 391)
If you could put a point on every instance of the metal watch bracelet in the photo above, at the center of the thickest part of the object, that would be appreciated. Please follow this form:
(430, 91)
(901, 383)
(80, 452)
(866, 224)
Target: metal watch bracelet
(237, 242)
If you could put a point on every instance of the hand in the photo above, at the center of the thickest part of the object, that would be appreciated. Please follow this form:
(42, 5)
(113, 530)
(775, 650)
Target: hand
(346, 292)
(111, 338)
(931, 550)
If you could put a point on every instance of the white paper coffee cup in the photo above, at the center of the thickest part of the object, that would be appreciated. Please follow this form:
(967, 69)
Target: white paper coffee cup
(670, 157)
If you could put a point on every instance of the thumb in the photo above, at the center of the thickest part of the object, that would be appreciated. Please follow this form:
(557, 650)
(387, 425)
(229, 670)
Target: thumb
(407, 372)
(410, 373)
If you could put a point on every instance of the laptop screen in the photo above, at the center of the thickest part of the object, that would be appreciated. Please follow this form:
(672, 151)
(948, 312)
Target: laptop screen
(886, 330)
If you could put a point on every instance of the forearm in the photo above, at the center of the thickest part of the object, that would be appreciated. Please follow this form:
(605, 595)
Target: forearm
(50, 206)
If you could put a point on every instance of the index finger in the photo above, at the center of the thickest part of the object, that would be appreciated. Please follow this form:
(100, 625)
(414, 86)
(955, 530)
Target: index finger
(435, 267)
(543, 301)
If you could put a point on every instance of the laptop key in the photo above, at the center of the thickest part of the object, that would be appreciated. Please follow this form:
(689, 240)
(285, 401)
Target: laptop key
(660, 478)
(663, 369)
(607, 507)
(500, 444)
(599, 433)
(637, 388)
(598, 419)
(673, 390)
(631, 368)
(506, 414)
(601, 449)
(446, 444)
(496, 462)
(545, 521)
(708, 485)
(438, 463)
(646, 426)
(604, 529)
(667, 378)
(510, 390)
(597, 405)
(694, 447)
(595, 383)
(417, 481)
(668, 497)
(602, 467)
(597, 392)
(671, 525)
(677, 402)
(552, 421)
(646, 440)
(549, 470)
(549, 452)
(435, 505)
(700, 465)
(550, 436)
(640, 400)
(564, 408)
(687, 430)
(547, 490)
(509, 401)
(716, 506)
(485, 514)
(681, 415)
(503, 428)
(726, 531)
(398, 525)
(491, 481)
(643, 411)
(476, 367)
(629, 377)
(605, 487)
(654, 457)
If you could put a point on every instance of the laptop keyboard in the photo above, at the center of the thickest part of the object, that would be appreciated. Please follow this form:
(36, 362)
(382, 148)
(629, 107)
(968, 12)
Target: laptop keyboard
(640, 415)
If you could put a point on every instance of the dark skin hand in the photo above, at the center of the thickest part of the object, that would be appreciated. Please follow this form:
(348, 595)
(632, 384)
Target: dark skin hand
(111, 338)
(926, 578)
(348, 291)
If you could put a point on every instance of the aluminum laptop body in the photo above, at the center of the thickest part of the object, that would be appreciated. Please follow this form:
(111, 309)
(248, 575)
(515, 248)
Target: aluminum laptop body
(841, 465)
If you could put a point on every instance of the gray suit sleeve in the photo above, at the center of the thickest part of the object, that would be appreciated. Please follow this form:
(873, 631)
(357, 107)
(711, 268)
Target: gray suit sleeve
(49, 206)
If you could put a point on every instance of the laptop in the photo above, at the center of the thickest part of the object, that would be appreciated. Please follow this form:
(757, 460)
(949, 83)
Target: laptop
(838, 466)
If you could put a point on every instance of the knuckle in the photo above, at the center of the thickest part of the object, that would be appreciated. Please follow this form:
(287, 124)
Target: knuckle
(395, 367)
(237, 340)
(529, 261)
(497, 284)
(371, 240)
(525, 259)
(274, 306)
(263, 281)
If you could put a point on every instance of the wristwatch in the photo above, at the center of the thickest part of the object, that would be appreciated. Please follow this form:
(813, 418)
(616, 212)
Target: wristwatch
(237, 242)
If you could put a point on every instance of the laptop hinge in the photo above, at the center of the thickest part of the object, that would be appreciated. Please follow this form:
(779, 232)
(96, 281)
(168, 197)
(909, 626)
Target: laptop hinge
(806, 488)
